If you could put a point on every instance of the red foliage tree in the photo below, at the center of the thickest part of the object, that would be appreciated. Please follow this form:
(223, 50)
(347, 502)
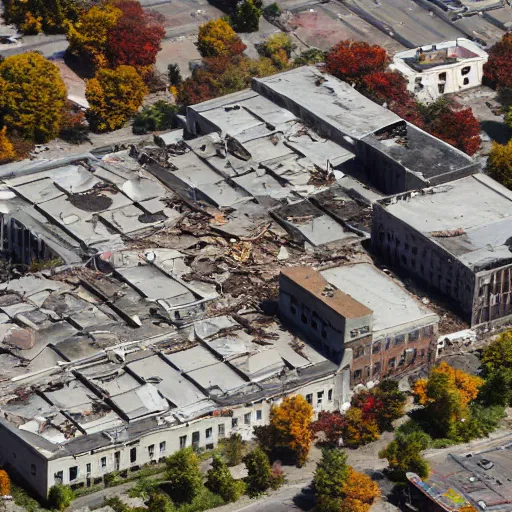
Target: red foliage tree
(351, 61)
(385, 86)
(498, 69)
(196, 88)
(459, 128)
(136, 37)
(332, 424)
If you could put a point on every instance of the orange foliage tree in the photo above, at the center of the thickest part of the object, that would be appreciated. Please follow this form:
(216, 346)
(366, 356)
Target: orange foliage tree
(5, 483)
(288, 436)
(360, 492)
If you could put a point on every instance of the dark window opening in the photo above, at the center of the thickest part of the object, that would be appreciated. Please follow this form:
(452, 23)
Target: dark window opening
(247, 418)
(133, 454)
(304, 318)
(209, 433)
(73, 473)
(376, 348)
(58, 477)
(103, 462)
(465, 70)
(440, 88)
(376, 368)
(329, 395)
(465, 81)
(195, 439)
(259, 414)
(357, 374)
(183, 442)
(33, 469)
(234, 422)
(442, 77)
(151, 451)
(309, 398)
(414, 335)
(222, 431)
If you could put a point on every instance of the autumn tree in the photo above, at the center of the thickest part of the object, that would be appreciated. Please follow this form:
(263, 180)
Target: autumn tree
(246, 17)
(351, 61)
(499, 163)
(358, 430)
(331, 425)
(385, 87)
(278, 48)
(114, 95)
(404, 455)
(220, 481)
(217, 38)
(89, 36)
(259, 476)
(389, 403)
(338, 487)
(497, 364)
(7, 153)
(5, 483)
(50, 16)
(135, 38)
(290, 429)
(32, 96)
(497, 69)
(446, 396)
(183, 474)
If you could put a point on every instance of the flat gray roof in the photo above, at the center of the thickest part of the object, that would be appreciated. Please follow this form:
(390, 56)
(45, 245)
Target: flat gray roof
(471, 218)
(391, 304)
(335, 102)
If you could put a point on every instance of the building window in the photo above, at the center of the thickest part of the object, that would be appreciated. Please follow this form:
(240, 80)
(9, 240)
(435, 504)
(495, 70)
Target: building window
(133, 454)
(324, 333)
(465, 70)
(414, 335)
(304, 318)
(428, 331)
(32, 469)
(103, 462)
(88, 469)
(209, 433)
(376, 348)
(376, 368)
(314, 320)
(388, 343)
(293, 305)
(367, 371)
(357, 374)
(391, 363)
(442, 77)
(319, 398)
(440, 88)
(247, 418)
(399, 340)
(162, 447)
(196, 436)
(58, 477)
(359, 352)
(329, 395)
(234, 422)
(309, 398)
(183, 442)
(222, 431)
(73, 473)
(151, 451)
(465, 81)
(259, 414)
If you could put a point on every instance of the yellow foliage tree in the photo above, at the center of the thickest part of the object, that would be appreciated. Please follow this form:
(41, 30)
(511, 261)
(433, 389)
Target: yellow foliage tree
(32, 24)
(7, 153)
(114, 95)
(357, 430)
(89, 35)
(5, 483)
(360, 492)
(32, 96)
(216, 38)
(500, 163)
(290, 423)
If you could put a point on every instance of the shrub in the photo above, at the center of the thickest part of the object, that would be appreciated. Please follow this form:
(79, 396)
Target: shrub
(220, 481)
(60, 496)
(160, 502)
(271, 11)
(159, 116)
(246, 17)
(74, 128)
(311, 56)
(112, 479)
(217, 38)
(233, 449)
(5, 483)
(259, 478)
(174, 74)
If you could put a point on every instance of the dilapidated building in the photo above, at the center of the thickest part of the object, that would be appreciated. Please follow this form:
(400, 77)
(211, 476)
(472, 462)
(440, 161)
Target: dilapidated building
(457, 238)
(358, 308)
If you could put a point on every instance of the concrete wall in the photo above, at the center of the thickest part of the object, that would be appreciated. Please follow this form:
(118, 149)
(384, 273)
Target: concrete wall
(327, 330)
(17, 456)
(405, 248)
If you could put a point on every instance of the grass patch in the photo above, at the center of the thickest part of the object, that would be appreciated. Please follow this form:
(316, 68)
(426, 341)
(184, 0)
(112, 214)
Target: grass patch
(24, 499)
(205, 500)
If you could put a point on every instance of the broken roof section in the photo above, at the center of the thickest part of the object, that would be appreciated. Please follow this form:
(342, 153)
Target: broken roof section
(471, 218)
(310, 94)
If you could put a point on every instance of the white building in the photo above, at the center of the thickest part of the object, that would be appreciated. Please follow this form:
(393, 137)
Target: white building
(443, 68)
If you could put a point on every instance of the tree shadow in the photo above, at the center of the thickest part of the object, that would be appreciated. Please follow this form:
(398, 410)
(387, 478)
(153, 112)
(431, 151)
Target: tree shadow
(304, 500)
(498, 132)
(79, 66)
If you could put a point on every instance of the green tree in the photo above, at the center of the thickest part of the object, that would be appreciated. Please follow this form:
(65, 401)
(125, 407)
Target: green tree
(174, 74)
(403, 455)
(220, 481)
(233, 449)
(185, 480)
(498, 354)
(160, 502)
(60, 496)
(154, 118)
(271, 11)
(391, 404)
(114, 95)
(311, 56)
(330, 477)
(259, 477)
(246, 17)
(278, 48)
(32, 96)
